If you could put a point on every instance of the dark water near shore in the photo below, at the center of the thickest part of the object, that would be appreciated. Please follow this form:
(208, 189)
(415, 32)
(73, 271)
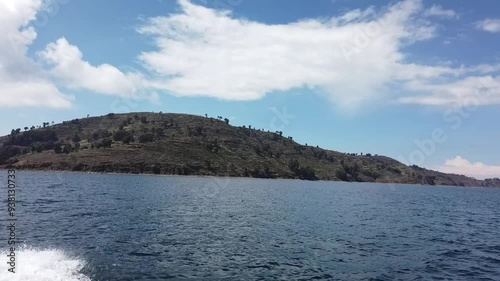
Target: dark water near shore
(115, 227)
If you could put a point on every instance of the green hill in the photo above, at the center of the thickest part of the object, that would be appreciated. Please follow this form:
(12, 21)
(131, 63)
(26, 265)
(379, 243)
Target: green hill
(181, 144)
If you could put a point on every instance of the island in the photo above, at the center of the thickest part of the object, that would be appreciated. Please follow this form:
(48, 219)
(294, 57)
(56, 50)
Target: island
(182, 144)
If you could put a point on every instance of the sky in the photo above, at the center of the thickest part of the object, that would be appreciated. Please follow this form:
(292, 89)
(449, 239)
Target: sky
(414, 80)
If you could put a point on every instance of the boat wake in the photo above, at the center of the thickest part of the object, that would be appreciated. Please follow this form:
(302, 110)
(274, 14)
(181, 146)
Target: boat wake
(42, 265)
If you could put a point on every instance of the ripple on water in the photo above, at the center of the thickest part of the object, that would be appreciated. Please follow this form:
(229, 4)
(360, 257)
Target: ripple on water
(160, 228)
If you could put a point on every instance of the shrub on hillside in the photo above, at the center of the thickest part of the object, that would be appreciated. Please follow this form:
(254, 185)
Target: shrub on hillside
(30, 137)
(57, 148)
(7, 152)
(341, 174)
(120, 135)
(101, 134)
(76, 138)
(103, 143)
(146, 138)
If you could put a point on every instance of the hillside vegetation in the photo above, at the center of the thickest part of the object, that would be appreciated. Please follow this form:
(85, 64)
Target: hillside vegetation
(157, 143)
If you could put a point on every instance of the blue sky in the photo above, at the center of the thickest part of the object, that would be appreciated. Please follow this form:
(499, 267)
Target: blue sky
(414, 80)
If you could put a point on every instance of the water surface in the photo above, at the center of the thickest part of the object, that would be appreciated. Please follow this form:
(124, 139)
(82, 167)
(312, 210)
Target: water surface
(119, 227)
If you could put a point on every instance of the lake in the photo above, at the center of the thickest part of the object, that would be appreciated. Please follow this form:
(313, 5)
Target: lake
(121, 227)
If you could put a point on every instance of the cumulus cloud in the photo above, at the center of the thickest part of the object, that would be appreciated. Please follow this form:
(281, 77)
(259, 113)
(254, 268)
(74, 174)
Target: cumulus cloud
(490, 25)
(37, 93)
(352, 58)
(461, 166)
(22, 81)
(207, 52)
(25, 82)
(438, 11)
(69, 66)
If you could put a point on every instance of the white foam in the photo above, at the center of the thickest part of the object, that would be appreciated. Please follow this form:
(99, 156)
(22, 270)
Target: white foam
(42, 265)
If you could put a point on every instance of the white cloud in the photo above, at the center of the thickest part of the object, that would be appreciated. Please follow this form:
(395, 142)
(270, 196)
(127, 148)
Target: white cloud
(461, 166)
(25, 82)
(491, 25)
(470, 91)
(354, 58)
(438, 11)
(22, 81)
(207, 52)
(33, 94)
(79, 74)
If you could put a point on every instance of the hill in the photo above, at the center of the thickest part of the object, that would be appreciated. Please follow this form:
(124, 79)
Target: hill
(181, 144)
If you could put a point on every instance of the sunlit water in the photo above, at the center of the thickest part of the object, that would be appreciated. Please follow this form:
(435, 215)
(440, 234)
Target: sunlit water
(116, 227)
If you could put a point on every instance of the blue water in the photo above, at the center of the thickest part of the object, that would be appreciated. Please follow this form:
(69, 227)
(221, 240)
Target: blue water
(118, 227)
